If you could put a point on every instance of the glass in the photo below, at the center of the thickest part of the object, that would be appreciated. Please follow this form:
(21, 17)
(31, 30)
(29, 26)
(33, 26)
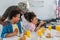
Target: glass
(58, 28)
(39, 33)
(28, 33)
(43, 29)
(50, 27)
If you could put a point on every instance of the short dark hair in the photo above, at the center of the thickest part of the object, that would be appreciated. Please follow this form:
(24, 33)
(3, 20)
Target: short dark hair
(8, 10)
(13, 13)
(29, 15)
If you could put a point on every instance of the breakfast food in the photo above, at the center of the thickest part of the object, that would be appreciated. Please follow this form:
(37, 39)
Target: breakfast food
(25, 33)
(48, 35)
(23, 37)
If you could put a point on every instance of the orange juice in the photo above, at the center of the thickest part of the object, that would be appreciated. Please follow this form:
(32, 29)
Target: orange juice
(39, 33)
(43, 29)
(58, 28)
(49, 27)
(28, 33)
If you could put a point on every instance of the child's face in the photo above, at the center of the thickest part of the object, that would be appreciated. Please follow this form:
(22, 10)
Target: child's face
(17, 18)
(34, 20)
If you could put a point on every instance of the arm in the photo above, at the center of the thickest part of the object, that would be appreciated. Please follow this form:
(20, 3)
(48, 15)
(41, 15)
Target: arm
(3, 22)
(5, 33)
(4, 16)
(39, 26)
(12, 34)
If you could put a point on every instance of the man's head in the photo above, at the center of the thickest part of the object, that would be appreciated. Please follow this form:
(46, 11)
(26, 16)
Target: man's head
(23, 6)
(14, 16)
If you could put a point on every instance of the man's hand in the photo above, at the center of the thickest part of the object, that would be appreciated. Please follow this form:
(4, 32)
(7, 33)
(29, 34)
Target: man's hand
(4, 23)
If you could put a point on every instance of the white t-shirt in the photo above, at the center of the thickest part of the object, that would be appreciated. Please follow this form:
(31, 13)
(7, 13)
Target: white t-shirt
(14, 27)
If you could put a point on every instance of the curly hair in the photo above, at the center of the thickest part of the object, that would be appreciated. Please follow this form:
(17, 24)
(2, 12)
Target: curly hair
(29, 15)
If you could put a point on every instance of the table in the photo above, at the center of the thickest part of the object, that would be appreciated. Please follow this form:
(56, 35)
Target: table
(34, 36)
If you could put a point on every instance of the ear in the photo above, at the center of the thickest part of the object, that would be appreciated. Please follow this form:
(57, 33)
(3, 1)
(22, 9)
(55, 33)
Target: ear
(31, 20)
(13, 17)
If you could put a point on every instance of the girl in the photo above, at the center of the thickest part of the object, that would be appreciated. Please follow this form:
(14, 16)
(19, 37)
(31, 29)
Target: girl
(32, 21)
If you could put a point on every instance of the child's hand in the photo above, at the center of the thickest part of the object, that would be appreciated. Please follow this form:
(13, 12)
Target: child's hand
(12, 34)
(16, 31)
(42, 23)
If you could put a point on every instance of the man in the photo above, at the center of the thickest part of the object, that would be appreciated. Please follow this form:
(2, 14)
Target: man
(13, 28)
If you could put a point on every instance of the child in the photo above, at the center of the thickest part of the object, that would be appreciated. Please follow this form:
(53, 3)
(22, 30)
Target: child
(13, 28)
(32, 21)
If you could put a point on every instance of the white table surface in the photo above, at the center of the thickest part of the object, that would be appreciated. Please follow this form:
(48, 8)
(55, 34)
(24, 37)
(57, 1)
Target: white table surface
(35, 37)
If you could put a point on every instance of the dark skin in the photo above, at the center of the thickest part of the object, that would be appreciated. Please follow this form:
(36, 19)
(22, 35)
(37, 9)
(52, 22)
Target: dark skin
(3, 22)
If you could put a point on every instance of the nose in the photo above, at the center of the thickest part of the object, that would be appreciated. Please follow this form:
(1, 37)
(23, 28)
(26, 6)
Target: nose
(19, 18)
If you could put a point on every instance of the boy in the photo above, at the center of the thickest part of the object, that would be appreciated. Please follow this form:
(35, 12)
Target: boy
(13, 28)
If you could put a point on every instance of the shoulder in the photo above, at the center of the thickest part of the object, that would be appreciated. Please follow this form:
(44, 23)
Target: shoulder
(19, 23)
(30, 25)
